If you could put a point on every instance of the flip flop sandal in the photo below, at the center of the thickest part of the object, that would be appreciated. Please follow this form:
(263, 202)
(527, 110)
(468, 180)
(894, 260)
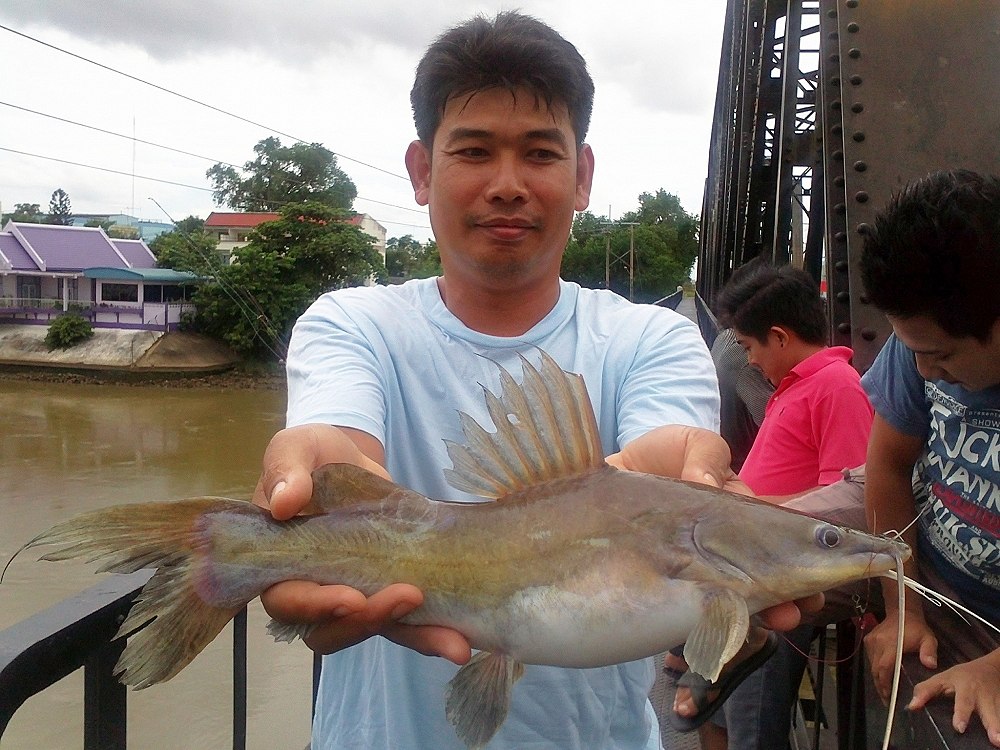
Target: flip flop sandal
(727, 683)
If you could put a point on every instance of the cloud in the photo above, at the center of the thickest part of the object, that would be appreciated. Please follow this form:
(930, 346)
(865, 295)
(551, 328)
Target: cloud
(303, 31)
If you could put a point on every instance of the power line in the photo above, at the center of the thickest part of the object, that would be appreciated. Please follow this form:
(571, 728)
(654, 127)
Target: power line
(191, 99)
(196, 187)
(175, 150)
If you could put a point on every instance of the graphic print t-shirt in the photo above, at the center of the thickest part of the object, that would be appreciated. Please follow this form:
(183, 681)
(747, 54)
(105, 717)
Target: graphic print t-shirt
(956, 481)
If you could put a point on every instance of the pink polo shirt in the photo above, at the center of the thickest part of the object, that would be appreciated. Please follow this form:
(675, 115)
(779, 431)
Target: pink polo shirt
(816, 423)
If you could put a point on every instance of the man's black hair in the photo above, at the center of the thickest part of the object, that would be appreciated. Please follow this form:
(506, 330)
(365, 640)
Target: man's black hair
(935, 251)
(759, 296)
(509, 51)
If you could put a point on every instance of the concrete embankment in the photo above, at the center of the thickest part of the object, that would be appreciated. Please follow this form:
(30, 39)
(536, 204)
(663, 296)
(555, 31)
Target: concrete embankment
(113, 349)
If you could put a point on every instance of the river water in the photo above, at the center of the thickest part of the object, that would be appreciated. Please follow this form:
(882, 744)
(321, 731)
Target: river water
(68, 448)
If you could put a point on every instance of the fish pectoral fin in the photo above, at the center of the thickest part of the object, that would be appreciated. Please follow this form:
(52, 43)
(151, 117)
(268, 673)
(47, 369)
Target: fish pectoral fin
(344, 485)
(478, 697)
(719, 634)
(286, 632)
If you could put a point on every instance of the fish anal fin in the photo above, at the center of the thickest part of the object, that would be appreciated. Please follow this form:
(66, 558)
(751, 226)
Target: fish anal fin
(178, 626)
(478, 697)
(344, 485)
(545, 430)
(719, 634)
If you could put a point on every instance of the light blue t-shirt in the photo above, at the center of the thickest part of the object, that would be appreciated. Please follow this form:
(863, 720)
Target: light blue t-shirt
(956, 480)
(395, 363)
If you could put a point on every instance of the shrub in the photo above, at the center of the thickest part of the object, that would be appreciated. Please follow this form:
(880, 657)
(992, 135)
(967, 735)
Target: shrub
(68, 330)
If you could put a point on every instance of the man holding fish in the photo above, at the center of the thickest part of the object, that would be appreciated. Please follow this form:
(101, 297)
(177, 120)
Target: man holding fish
(377, 376)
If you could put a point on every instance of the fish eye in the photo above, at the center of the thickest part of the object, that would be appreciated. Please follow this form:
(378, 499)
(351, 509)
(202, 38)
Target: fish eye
(828, 536)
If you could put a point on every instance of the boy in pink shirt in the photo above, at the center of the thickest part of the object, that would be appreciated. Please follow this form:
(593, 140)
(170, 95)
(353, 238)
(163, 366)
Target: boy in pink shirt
(818, 420)
(816, 425)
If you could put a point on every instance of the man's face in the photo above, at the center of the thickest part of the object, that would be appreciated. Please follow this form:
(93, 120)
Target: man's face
(502, 180)
(769, 355)
(967, 361)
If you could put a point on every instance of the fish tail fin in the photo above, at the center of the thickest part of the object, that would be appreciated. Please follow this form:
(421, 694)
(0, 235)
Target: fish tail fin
(166, 536)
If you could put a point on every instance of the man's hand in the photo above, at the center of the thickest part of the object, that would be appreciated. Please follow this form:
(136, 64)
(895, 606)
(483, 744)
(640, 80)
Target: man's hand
(682, 452)
(285, 484)
(344, 616)
(975, 686)
(880, 645)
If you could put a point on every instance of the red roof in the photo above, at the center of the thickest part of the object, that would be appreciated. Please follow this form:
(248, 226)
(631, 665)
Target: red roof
(248, 220)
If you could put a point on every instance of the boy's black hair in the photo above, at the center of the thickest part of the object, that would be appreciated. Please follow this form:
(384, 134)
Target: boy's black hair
(935, 251)
(759, 296)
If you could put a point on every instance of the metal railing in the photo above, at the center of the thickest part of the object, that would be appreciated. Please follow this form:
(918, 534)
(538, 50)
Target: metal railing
(80, 632)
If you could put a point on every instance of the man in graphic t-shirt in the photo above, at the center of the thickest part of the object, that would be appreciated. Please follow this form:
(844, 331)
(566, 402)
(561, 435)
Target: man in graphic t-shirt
(932, 264)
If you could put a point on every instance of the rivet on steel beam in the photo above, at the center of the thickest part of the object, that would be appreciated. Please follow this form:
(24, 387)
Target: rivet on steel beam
(833, 36)
(837, 129)
(835, 58)
(840, 236)
(864, 228)
(840, 208)
(839, 180)
(835, 81)
(868, 334)
(843, 297)
(841, 265)
(854, 53)
(853, 28)
(836, 104)
(861, 196)
(852, 3)
(865, 300)
(844, 328)
(858, 136)
(856, 80)
(837, 155)
(860, 166)
(857, 108)
(832, 13)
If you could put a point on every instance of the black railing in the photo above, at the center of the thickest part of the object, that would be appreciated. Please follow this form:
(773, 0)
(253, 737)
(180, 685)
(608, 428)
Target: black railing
(671, 300)
(80, 632)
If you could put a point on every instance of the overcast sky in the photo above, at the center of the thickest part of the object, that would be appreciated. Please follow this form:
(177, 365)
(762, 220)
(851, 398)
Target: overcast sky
(337, 72)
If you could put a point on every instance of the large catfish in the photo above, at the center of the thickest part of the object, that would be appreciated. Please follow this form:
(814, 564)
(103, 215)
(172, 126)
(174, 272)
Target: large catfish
(576, 563)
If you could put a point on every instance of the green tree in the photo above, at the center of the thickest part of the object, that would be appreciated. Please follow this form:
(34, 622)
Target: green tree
(104, 224)
(305, 172)
(60, 210)
(252, 303)
(661, 237)
(190, 225)
(187, 251)
(406, 258)
(28, 213)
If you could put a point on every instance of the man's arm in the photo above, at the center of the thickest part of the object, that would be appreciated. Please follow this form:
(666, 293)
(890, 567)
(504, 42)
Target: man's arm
(889, 505)
(344, 615)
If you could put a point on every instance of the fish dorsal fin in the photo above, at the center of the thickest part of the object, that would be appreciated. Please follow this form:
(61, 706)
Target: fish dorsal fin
(545, 429)
(344, 485)
(719, 633)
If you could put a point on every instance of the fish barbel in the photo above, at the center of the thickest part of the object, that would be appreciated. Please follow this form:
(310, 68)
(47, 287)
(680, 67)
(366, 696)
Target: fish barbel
(576, 564)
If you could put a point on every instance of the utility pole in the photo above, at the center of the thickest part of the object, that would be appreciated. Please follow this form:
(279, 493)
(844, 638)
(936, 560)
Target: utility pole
(631, 255)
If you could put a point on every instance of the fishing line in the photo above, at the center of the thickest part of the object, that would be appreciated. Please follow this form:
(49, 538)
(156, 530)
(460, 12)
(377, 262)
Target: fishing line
(940, 600)
(898, 668)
